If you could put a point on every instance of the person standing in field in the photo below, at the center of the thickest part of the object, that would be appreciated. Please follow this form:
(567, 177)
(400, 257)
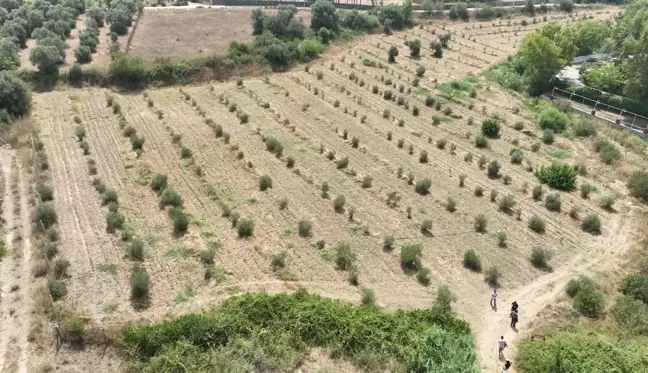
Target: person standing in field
(514, 318)
(502, 345)
(493, 301)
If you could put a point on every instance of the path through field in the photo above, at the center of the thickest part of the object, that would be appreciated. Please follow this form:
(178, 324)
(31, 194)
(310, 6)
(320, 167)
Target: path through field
(15, 309)
(534, 297)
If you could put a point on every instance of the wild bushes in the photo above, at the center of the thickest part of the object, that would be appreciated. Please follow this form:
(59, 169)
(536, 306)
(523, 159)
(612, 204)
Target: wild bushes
(558, 176)
(638, 185)
(490, 128)
(302, 321)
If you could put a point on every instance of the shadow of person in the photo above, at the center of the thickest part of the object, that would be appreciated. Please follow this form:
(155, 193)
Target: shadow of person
(502, 358)
(515, 329)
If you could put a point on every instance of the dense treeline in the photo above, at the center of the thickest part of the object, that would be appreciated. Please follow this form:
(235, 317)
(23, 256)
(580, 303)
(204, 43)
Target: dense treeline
(544, 53)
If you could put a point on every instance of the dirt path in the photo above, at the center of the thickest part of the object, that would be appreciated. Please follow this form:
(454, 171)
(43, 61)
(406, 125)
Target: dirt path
(534, 297)
(15, 308)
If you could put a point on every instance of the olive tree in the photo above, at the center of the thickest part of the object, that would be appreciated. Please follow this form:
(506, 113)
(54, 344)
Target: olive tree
(323, 14)
(15, 96)
(46, 58)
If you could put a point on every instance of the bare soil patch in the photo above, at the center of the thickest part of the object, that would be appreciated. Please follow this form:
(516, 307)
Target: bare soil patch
(183, 33)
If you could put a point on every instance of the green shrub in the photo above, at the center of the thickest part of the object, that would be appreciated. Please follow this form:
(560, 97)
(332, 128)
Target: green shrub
(265, 182)
(423, 186)
(109, 196)
(536, 224)
(480, 223)
(342, 163)
(304, 228)
(586, 189)
(388, 243)
(129, 131)
(636, 286)
(114, 221)
(135, 250)
(591, 224)
(245, 228)
(278, 260)
(368, 297)
(338, 203)
(159, 183)
(170, 197)
(423, 276)
(472, 261)
(426, 226)
(552, 202)
(57, 288)
(451, 205)
(518, 126)
(45, 192)
(479, 191)
(584, 128)
(631, 314)
(574, 285)
(137, 143)
(589, 301)
(481, 142)
(429, 101)
(274, 146)
(608, 152)
(607, 202)
(180, 220)
(558, 176)
(516, 156)
(490, 128)
(536, 193)
(540, 257)
(638, 185)
(207, 256)
(493, 169)
(554, 120)
(139, 282)
(366, 182)
(60, 268)
(548, 137)
(410, 257)
(46, 214)
(506, 204)
(185, 152)
(492, 276)
(344, 256)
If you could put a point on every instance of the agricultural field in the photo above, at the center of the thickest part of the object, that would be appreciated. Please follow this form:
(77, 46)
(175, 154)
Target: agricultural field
(183, 33)
(352, 177)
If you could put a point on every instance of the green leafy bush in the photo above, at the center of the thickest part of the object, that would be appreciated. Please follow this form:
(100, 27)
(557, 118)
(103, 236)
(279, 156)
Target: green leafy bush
(636, 286)
(410, 257)
(631, 314)
(472, 261)
(139, 282)
(589, 301)
(245, 228)
(638, 185)
(265, 182)
(490, 128)
(114, 221)
(540, 257)
(558, 176)
(170, 197)
(344, 256)
(554, 120)
(304, 228)
(536, 224)
(159, 183)
(591, 224)
(552, 202)
(481, 223)
(608, 152)
(492, 276)
(57, 288)
(423, 276)
(46, 214)
(423, 186)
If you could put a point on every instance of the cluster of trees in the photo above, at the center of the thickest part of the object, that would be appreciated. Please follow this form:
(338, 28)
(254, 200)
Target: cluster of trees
(120, 15)
(283, 39)
(89, 38)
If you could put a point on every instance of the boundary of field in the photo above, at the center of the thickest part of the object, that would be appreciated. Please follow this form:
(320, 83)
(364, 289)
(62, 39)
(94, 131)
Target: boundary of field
(132, 31)
(619, 123)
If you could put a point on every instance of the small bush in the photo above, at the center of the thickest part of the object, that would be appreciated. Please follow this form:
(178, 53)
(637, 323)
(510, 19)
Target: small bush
(159, 183)
(338, 204)
(493, 195)
(584, 128)
(60, 268)
(344, 256)
(479, 191)
(472, 261)
(423, 276)
(366, 182)
(57, 289)
(638, 185)
(591, 224)
(537, 192)
(481, 142)
(501, 238)
(548, 137)
(535, 147)
(451, 205)
(170, 197)
(589, 301)
(536, 224)
(554, 120)
(540, 257)
(274, 146)
(574, 285)
(493, 169)
(607, 203)
(492, 276)
(429, 101)
(558, 176)
(45, 192)
(480, 223)
(129, 131)
(516, 156)
(368, 297)
(586, 190)
(180, 220)
(304, 228)
(426, 227)
(207, 256)
(518, 126)
(423, 186)
(506, 204)
(245, 228)
(109, 196)
(342, 163)
(114, 221)
(139, 281)
(265, 182)
(490, 128)
(552, 202)
(278, 260)
(636, 286)
(85, 147)
(388, 243)
(410, 257)
(185, 152)
(135, 250)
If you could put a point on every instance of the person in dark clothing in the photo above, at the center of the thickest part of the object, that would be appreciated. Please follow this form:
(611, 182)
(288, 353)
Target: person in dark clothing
(514, 306)
(507, 365)
(514, 318)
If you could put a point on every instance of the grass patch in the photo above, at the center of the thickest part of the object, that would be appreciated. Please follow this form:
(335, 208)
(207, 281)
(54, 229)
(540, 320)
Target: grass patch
(177, 253)
(556, 153)
(278, 331)
(187, 293)
(108, 268)
(421, 91)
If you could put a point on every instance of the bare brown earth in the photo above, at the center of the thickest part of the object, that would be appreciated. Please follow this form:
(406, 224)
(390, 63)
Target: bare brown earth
(183, 33)
(286, 106)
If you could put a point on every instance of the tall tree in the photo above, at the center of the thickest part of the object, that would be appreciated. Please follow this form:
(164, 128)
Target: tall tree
(543, 61)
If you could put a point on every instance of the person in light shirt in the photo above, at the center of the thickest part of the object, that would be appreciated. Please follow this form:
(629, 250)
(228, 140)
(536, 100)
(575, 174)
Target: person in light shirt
(493, 301)
(502, 345)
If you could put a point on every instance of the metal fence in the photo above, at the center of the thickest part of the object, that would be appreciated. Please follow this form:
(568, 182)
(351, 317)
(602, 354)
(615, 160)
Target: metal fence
(617, 117)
